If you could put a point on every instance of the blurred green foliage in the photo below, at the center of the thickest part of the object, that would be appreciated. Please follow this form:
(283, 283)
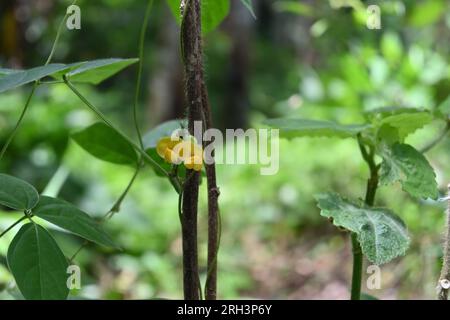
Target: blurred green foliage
(316, 60)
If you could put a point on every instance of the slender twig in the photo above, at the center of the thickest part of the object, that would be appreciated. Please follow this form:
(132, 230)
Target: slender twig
(444, 279)
(12, 226)
(114, 209)
(19, 122)
(58, 34)
(438, 139)
(139, 74)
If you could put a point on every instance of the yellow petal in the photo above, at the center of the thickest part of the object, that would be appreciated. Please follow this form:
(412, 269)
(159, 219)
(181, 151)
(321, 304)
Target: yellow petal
(172, 157)
(193, 163)
(166, 143)
(184, 149)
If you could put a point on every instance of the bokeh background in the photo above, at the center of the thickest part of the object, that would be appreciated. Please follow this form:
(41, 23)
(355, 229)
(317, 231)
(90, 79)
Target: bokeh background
(313, 59)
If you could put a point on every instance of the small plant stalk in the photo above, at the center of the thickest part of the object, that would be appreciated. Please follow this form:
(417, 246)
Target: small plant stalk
(357, 268)
(371, 190)
(444, 279)
(193, 63)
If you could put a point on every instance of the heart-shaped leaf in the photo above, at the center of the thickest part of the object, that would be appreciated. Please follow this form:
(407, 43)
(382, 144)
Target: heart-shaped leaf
(293, 128)
(105, 143)
(37, 264)
(70, 218)
(16, 79)
(382, 235)
(401, 162)
(17, 194)
(96, 71)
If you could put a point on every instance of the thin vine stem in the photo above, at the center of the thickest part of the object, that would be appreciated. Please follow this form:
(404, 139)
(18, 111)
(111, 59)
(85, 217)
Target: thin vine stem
(35, 85)
(13, 225)
(111, 125)
(58, 34)
(114, 209)
(438, 139)
(19, 121)
(140, 68)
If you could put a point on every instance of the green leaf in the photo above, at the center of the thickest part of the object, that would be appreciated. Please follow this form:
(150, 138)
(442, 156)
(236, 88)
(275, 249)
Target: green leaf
(70, 218)
(105, 143)
(14, 79)
(96, 71)
(401, 162)
(382, 235)
(5, 72)
(404, 120)
(248, 4)
(17, 194)
(293, 128)
(165, 129)
(37, 264)
(213, 13)
(294, 7)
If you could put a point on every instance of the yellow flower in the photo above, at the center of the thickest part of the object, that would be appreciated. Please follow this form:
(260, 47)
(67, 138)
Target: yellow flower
(166, 143)
(177, 151)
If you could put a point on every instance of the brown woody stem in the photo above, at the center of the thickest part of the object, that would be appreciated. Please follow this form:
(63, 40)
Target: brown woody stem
(213, 207)
(193, 63)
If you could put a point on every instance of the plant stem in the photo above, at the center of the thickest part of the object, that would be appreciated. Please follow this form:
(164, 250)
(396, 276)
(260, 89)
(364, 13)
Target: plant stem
(357, 268)
(12, 226)
(140, 67)
(193, 62)
(109, 123)
(444, 279)
(214, 225)
(19, 122)
(58, 34)
(35, 85)
(438, 139)
(371, 190)
(114, 209)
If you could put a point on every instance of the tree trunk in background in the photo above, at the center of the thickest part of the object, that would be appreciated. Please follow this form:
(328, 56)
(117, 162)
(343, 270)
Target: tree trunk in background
(166, 98)
(10, 48)
(239, 26)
